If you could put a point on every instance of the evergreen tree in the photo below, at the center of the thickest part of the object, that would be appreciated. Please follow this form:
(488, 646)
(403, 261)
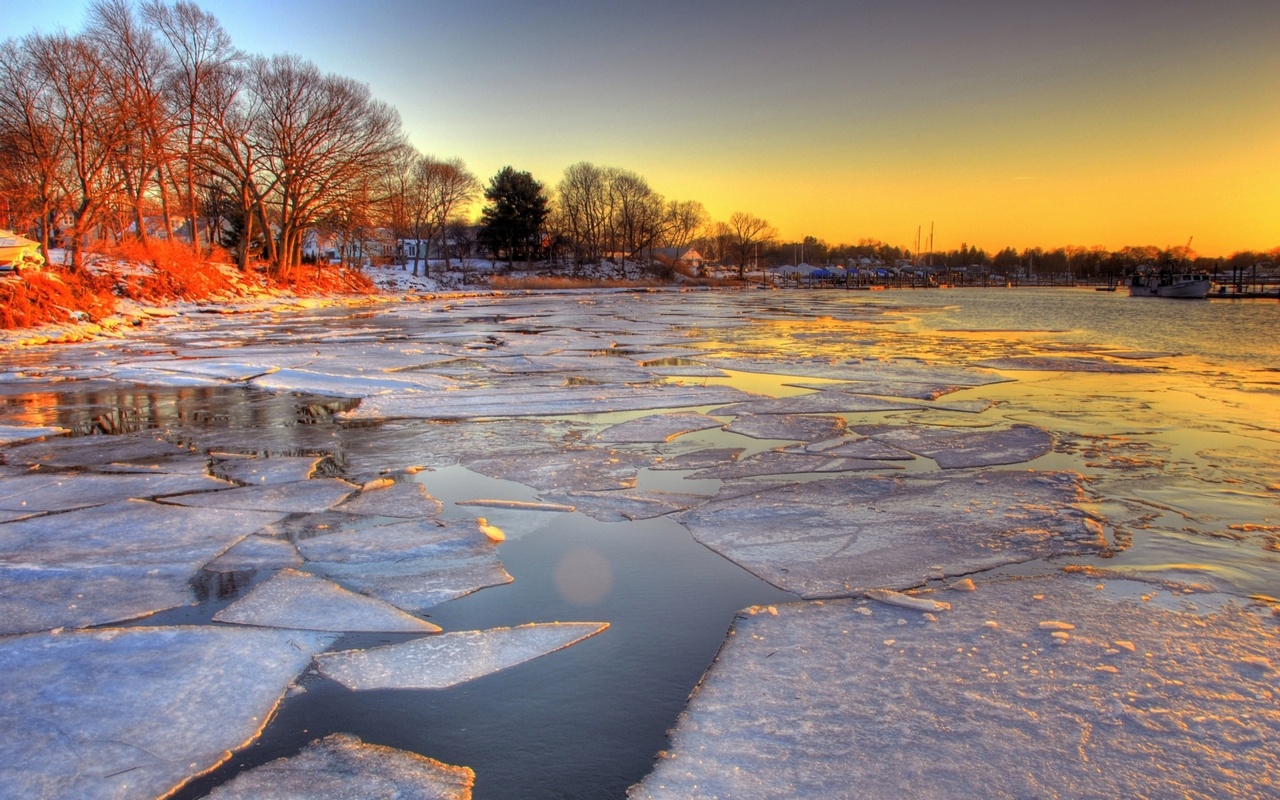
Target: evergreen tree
(511, 222)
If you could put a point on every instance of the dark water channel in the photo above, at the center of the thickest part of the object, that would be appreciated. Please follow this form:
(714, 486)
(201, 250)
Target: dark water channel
(584, 722)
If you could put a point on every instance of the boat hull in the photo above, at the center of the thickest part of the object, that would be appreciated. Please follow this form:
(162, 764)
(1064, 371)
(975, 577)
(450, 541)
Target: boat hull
(1189, 288)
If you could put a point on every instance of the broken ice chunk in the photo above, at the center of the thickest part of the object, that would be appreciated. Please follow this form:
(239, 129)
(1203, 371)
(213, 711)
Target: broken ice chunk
(813, 702)
(296, 600)
(256, 471)
(442, 661)
(300, 497)
(787, 426)
(403, 499)
(256, 552)
(342, 766)
(816, 403)
(18, 433)
(588, 468)
(60, 492)
(657, 427)
(136, 712)
(954, 449)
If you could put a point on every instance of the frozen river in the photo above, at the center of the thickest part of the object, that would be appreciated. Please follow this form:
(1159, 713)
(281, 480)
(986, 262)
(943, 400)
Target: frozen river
(262, 529)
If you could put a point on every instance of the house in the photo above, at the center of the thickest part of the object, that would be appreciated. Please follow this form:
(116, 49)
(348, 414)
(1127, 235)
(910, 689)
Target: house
(687, 255)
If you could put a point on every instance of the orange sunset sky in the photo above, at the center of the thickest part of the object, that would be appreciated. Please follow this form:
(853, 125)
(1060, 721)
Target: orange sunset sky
(1001, 122)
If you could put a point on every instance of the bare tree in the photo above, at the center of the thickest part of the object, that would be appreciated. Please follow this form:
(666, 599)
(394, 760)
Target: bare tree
(85, 112)
(639, 213)
(451, 187)
(201, 53)
(684, 219)
(748, 232)
(585, 210)
(324, 136)
(32, 142)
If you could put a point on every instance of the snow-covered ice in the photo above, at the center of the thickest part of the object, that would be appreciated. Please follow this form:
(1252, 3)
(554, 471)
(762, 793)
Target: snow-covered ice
(298, 497)
(296, 600)
(255, 471)
(64, 491)
(256, 553)
(405, 499)
(953, 449)
(836, 537)
(657, 427)
(1058, 686)
(341, 767)
(19, 433)
(111, 562)
(136, 712)
(439, 662)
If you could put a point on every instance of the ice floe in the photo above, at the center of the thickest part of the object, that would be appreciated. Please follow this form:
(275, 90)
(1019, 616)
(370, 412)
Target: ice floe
(63, 491)
(405, 499)
(782, 463)
(700, 459)
(109, 563)
(136, 712)
(1137, 698)
(786, 426)
(439, 662)
(1062, 364)
(341, 766)
(836, 537)
(256, 553)
(617, 506)
(296, 600)
(256, 471)
(17, 433)
(657, 427)
(299, 497)
(953, 449)
(816, 403)
(467, 403)
(411, 565)
(586, 468)
(93, 451)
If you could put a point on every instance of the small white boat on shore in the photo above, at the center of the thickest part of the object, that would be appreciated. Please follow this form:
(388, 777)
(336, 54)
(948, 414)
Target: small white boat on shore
(17, 251)
(1167, 283)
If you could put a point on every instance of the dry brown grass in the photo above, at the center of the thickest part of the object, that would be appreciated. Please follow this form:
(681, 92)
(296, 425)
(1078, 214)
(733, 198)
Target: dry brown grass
(171, 271)
(42, 296)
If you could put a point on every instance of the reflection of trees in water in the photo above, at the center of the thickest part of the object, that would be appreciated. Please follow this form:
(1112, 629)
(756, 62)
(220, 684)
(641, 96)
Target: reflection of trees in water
(221, 585)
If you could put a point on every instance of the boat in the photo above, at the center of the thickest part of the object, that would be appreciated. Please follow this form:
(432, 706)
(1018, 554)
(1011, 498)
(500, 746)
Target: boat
(1169, 283)
(17, 251)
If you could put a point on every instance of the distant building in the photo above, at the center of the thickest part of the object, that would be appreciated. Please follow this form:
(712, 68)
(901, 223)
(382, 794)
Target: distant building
(686, 255)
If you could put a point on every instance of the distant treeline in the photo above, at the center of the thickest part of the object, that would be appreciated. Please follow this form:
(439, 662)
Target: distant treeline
(150, 123)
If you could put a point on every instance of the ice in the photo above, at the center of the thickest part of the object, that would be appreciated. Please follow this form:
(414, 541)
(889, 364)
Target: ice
(341, 767)
(109, 563)
(657, 427)
(700, 459)
(257, 471)
(405, 499)
(17, 433)
(786, 426)
(411, 565)
(91, 451)
(871, 371)
(439, 662)
(468, 403)
(868, 449)
(296, 600)
(299, 497)
(844, 699)
(256, 553)
(619, 506)
(60, 492)
(1062, 364)
(915, 390)
(816, 403)
(135, 712)
(953, 449)
(349, 385)
(780, 463)
(836, 537)
(587, 468)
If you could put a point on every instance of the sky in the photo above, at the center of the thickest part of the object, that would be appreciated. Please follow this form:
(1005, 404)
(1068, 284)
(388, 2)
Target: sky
(994, 122)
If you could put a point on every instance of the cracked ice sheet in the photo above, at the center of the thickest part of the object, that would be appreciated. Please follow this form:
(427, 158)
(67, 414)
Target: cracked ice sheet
(787, 426)
(816, 403)
(623, 506)
(256, 553)
(913, 390)
(783, 463)
(439, 662)
(19, 433)
(109, 563)
(705, 458)
(833, 538)
(411, 565)
(657, 428)
(91, 451)
(1138, 700)
(467, 403)
(299, 497)
(341, 767)
(298, 601)
(261, 471)
(581, 469)
(403, 499)
(136, 712)
(308, 382)
(60, 492)
(875, 371)
(1061, 364)
(953, 449)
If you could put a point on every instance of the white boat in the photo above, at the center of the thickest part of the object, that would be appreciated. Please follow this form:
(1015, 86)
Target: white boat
(1167, 283)
(17, 251)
